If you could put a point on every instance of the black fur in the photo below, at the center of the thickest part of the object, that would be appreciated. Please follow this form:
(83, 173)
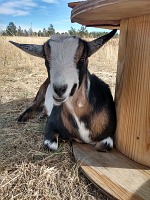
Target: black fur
(55, 126)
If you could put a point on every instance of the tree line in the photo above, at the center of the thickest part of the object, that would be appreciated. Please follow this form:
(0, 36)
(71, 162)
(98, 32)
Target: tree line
(12, 30)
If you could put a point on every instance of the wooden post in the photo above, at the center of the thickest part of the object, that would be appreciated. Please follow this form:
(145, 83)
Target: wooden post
(133, 90)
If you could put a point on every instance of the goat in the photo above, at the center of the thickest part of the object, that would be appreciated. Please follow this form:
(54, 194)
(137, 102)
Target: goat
(79, 105)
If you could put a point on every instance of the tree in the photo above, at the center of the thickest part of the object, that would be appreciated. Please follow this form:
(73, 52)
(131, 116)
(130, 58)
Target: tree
(30, 31)
(20, 31)
(51, 30)
(83, 32)
(25, 33)
(72, 31)
(11, 29)
(44, 32)
(40, 33)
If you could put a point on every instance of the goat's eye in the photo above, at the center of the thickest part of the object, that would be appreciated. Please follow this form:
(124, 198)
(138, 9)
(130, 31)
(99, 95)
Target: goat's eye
(82, 59)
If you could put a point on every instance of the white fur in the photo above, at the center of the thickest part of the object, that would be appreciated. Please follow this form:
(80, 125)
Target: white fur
(83, 131)
(49, 102)
(88, 86)
(63, 68)
(51, 145)
(108, 141)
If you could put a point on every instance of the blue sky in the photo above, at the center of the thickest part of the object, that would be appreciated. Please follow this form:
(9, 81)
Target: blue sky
(41, 13)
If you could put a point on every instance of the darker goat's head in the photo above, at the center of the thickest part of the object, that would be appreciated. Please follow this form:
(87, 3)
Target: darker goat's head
(67, 59)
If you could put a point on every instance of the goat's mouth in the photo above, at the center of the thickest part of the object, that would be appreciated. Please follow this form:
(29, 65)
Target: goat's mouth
(59, 101)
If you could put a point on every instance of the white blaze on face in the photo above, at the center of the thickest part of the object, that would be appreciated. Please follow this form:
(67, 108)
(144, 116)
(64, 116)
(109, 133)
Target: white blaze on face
(62, 66)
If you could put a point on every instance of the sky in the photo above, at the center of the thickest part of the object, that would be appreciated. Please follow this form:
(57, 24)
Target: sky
(39, 13)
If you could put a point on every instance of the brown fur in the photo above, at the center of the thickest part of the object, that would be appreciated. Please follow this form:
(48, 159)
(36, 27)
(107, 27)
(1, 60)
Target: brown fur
(78, 53)
(64, 116)
(98, 123)
(37, 103)
(80, 105)
(80, 102)
(47, 50)
(81, 108)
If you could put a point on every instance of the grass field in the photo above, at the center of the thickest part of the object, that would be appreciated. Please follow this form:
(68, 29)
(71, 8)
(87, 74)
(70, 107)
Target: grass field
(28, 171)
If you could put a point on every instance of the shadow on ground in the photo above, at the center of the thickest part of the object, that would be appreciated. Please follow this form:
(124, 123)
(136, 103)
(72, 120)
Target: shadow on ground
(18, 140)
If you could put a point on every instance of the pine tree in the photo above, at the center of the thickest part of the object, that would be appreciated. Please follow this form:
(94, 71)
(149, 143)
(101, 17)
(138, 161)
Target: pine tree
(51, 30)
(20, 31)
(82, 32)
(11, 29)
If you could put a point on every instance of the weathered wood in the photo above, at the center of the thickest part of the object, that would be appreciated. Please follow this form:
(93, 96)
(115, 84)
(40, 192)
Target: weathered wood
(114, 173)
(108, 10)
(133, 90)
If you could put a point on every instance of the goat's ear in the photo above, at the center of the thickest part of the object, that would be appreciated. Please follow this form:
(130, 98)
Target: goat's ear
(94, 45)
(33, 49)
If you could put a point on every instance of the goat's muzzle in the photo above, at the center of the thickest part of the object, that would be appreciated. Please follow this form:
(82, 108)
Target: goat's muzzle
(60, 90)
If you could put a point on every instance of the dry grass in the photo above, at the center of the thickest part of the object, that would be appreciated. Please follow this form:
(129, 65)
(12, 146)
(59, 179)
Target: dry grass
(28, 171)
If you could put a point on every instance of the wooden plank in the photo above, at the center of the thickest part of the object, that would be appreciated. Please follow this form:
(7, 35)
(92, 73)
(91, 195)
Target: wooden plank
(114, 10)
(114, 173)
(133, 90)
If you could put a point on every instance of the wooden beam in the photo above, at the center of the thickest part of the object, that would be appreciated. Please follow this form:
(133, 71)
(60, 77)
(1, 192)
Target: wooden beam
(133, 90)
(115, 175)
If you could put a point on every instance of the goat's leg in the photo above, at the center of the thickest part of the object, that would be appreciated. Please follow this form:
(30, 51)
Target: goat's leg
(51, 136)
(37, 103)
(53, 128)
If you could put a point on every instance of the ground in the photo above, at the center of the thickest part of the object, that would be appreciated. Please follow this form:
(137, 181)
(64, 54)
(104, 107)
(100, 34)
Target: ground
(28, 171)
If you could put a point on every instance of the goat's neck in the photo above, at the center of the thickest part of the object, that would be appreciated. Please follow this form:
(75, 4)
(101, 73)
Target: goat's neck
(81, 94)
(78, 103)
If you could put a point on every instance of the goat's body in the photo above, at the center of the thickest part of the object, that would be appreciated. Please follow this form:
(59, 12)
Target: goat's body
(91, 122)
(79, 105)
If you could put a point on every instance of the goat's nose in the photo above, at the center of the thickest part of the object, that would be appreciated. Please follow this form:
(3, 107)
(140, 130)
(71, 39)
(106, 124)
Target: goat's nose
(60, 90)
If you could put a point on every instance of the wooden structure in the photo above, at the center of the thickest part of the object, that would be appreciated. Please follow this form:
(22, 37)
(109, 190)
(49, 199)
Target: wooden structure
(121, 177)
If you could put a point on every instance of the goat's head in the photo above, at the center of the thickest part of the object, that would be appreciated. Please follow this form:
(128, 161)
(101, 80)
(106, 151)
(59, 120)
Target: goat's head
(67, 59)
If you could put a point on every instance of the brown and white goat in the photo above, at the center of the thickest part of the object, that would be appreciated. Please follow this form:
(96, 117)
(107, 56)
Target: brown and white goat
(79, 105)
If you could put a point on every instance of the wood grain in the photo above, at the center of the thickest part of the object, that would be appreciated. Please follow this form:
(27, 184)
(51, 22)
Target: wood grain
(133, 90)
(114, 173)
(107, 10)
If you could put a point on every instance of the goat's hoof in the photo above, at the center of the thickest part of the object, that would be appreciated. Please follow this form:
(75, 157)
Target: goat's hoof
(104, 145)
(51, 145)
(23, 117)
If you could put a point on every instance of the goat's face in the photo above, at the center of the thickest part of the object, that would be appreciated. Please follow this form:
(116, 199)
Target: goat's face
(66, 61)
(63, 60)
